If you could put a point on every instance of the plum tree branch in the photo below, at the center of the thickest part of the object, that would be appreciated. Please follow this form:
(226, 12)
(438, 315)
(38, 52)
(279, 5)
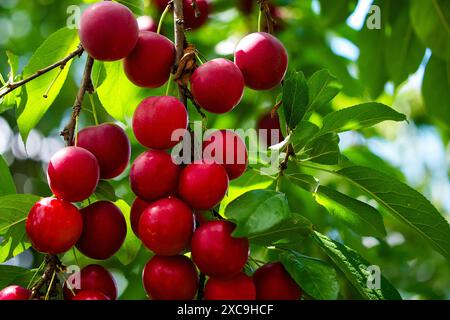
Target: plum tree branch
(180, 41)
(9, 87)
(86, 86)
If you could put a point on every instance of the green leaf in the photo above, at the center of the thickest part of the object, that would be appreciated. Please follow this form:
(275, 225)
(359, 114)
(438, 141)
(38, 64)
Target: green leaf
(316, 277)
(323, 87)
(252, 179)
(55, 47)
(335, 12)
(9, 101)
(130, 248)
(357, 215)
(362, 156)
(304, 133)
(257, 211)
(295, 98)
(359, 116)
(7, 185)
(405, 203)
(12, 275)
(105, 191)
(120, 104)
(404, 51)
(371, 61)
(137, 6)
(431, 22)
(436, 89)
(288, 233)
(323, 149)
(14, 210)
(304, 181)
(355, 269)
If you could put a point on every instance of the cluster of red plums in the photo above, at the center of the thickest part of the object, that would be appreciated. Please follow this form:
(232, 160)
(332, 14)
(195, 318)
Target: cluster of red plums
(167, 215)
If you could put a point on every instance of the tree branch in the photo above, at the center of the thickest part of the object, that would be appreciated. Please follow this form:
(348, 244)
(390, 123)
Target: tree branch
(180, 41)
(86, 86)
(61, 64)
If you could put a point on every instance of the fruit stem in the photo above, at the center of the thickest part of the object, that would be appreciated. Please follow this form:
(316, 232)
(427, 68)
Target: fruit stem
(94, 110)
(50, 286)
(45, 95)
(163, 15)
(259, 18)
(169, 84)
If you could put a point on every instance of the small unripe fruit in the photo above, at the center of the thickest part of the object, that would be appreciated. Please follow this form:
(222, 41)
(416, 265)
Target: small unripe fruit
(273, 282)
(190, 20)
(150, 63)
(110, 146)
(170, 278)
(104, 230)
(15, 293)
(108, 31)
(53, 226)
(215, 252)
(146, 23)
(226, 148)
(93, 278)
(73, 174)
(154, 175)
(90, 295)
(166, 226)
(203, 185)
(217, 85)
(239, 287)
(262, 59)
(137, 208)
(156, 119)
(273, 129)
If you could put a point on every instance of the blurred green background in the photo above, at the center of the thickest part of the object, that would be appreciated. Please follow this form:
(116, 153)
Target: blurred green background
(400, 65)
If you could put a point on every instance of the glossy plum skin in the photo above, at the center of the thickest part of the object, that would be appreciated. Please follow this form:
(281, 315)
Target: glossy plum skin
(217, 85)
(215, 252)
(170, 278)
(146, 23)
(53, 226)
(239, 287)
(273, 130)
(108, 31)
(273, 282)
(93, 278)
(104, 230)
(203, 185)
(110, 145)
(90, 295)
(228, 149)
(262, 59)
(150, 63)
(137, 208)
(153, 127)
(154, 175)
(73, 174)
(15, 293)
(166, 226)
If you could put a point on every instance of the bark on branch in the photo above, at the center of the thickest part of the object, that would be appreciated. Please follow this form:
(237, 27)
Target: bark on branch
(61, 64)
